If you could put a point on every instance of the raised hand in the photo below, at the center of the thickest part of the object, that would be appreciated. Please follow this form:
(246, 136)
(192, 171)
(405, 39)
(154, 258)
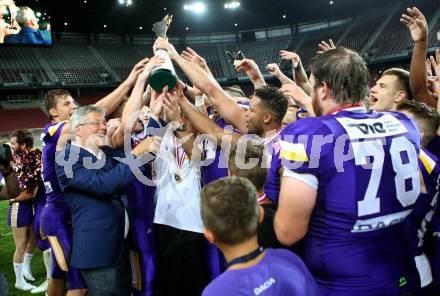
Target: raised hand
(153, 63)
(324, 46)
(436, 65)
(274, 69)
(171, 104)
(292, 56)
(428, 67)
(192, 56)
(156, 102)
(162, 43)
(416, 22)
(134, 74)
(295, 92)
(148, 145)
(249, 67)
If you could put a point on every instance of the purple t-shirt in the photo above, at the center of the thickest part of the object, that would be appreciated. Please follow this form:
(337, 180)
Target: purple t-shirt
(364, 166)
(49, 137)
(280, 272)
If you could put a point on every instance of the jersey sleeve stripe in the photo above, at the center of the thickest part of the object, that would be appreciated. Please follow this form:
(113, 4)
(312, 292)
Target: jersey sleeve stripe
(293, 151)
(427, 161)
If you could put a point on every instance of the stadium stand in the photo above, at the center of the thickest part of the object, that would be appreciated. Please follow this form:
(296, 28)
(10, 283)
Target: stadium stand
(19, 65)
(74, 64)
(21, 119)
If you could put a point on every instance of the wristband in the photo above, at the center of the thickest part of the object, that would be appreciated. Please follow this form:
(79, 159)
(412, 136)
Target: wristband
(200, 101)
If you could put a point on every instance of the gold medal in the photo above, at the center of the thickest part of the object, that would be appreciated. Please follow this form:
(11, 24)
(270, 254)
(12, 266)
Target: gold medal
(178, 178)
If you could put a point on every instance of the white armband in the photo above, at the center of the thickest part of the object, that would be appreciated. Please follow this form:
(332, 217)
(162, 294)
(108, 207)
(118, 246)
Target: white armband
(308, 179)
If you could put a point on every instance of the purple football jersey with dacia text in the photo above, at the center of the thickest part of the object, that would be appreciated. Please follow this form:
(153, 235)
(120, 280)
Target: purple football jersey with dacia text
(365, 165)
(280, 272)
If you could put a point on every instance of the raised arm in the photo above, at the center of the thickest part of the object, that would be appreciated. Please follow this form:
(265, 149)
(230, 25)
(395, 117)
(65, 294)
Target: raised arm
(252, 71)
(299, 74)
(275, 71)
(112, 101)
(192, 56)
(229, 110)
(415, 21)
(134, 103)
(202, 123)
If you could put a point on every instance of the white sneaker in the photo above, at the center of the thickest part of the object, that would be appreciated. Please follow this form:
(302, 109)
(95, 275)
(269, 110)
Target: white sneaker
(41, 288)
(24, 286)
(27, 274)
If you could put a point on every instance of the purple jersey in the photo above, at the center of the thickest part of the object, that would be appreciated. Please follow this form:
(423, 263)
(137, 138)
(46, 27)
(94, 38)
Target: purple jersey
(364, 167)
(49, 138)
(272, 186)
(423, 212)
(216, 162)
(434, 146)
(425, 205)
(280, 272)
(432, 248)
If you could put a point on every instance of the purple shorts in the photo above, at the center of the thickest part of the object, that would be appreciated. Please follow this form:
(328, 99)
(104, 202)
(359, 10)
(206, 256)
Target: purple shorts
(42, 241)
(55, 224)
(20, 214)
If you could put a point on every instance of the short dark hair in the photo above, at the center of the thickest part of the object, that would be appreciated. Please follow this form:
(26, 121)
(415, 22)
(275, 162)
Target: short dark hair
(51, 98)
(229, 209)
(402, 80)
(427, 117)
(345, 73)
(273, 100)
(257, 174)
(24, 137)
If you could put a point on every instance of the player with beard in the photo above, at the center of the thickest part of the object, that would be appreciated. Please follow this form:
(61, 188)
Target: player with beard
(55, 217)
(336, 190)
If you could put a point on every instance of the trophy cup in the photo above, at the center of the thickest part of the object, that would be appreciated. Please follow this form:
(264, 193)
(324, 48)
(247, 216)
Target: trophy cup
(165, 74)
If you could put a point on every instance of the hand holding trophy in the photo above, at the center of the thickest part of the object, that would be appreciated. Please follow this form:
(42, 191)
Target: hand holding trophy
(165, 75)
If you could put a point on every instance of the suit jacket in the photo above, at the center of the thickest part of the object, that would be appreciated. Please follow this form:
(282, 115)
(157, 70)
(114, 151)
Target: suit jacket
(28, 35)
(94, 198)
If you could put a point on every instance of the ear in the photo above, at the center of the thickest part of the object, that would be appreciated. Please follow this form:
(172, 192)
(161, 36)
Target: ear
(260, 214)
(209, 236)
(267, 118)
(324, 91)
(78, 131)
(53, 113)
(400, 97)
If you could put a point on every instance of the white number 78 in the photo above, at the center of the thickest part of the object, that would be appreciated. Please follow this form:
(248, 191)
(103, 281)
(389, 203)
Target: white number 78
(404, 171)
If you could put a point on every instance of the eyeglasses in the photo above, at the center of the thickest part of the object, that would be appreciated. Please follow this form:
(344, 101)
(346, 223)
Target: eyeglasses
(95, 123)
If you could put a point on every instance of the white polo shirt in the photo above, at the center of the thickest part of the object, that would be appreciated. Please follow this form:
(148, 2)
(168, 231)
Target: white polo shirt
(177, 203)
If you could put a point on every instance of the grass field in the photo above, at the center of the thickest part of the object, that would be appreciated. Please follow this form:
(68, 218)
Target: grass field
(7, 251)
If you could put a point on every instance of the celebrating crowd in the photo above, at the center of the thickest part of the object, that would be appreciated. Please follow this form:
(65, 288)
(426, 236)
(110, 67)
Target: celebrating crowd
(322, 186)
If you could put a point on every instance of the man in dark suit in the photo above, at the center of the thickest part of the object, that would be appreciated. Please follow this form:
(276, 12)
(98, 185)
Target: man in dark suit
(93, 181)
(30, 32)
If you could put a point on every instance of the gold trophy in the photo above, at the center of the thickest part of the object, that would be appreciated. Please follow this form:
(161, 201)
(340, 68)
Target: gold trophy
(165, 74)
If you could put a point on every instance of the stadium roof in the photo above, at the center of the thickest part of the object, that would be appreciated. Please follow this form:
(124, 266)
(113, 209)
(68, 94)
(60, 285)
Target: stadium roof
(113, 17)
